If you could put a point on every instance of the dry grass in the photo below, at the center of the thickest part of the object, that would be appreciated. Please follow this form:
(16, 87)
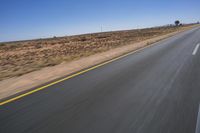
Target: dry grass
(18, 58)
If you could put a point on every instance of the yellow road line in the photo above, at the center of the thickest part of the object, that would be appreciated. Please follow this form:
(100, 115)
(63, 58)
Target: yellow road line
(68, 77)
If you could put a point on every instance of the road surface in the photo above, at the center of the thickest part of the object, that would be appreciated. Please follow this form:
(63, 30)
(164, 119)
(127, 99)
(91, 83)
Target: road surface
(155, 90)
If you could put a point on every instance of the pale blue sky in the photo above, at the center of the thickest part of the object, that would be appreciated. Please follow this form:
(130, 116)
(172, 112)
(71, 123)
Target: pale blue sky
(31, 19)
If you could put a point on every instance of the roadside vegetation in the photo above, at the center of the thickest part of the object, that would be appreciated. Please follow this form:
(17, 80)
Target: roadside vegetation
(18, 58)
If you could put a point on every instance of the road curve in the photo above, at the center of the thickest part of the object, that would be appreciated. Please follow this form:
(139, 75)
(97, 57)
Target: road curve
(156, 90)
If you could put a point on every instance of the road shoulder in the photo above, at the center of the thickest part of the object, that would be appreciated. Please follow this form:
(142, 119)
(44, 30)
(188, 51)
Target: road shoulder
(17, 85)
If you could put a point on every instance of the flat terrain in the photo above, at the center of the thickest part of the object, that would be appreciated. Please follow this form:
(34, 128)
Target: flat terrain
(155, 90)
(18, 58)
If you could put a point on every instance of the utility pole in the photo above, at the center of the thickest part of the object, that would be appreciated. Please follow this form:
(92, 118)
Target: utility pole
(101, 29)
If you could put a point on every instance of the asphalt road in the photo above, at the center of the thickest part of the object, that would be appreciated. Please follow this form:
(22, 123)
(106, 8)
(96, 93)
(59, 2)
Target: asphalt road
(156, 90)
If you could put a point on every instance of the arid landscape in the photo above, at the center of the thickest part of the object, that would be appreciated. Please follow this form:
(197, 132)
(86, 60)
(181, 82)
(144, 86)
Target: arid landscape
(99, 66)
(18, 58)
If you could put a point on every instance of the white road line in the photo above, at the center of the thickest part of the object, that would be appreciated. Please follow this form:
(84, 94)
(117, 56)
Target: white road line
(198, 122)
(196, 49)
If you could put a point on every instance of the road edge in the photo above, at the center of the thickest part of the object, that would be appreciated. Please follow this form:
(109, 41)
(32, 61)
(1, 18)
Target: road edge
(37, 88)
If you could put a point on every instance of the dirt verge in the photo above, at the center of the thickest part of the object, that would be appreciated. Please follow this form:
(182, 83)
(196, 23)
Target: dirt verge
(14, 85)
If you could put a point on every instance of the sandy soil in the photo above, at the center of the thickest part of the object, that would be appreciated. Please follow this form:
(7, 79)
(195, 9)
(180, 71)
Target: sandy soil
(18, 58)
(22, 83)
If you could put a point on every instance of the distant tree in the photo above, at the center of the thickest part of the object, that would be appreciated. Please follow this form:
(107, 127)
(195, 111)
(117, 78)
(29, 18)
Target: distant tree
(198, 22)
(177, 22)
